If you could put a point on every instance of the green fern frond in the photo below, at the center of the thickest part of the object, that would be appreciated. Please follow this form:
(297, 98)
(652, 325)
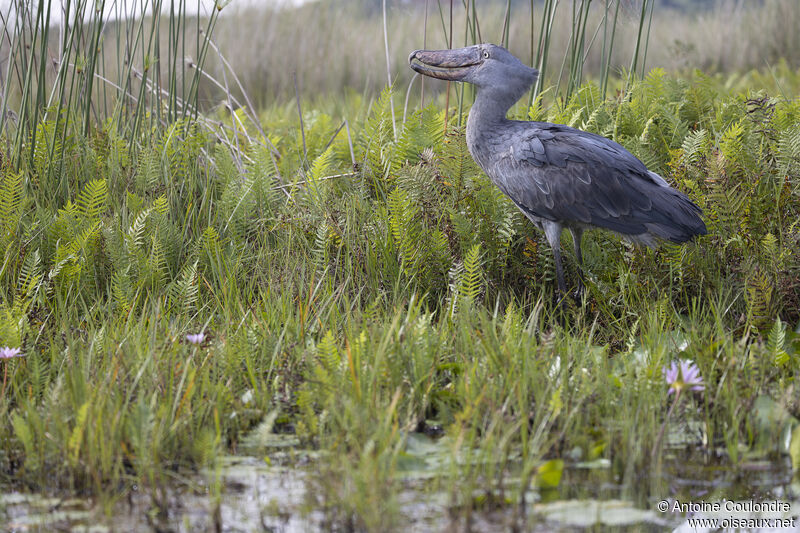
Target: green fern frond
(319, 252)
(227, 171)
(31, 277)
(466, 280)
(13, 323)
(11, 202)
(470, 286)
(694, 146)
(209, 241)
(183, 293)
(377, 138)
(262, 170)
(135, 236)
(455, 161)
(149, 170)
(424, 129)
(775, 343)
(760, 300)
(788, 154)
(157, 269)
(23, 432)
(321, 165)
(122, 292)
(161, 205)
(92, 200)
(731, 145)
(328, 352)
(404, 226)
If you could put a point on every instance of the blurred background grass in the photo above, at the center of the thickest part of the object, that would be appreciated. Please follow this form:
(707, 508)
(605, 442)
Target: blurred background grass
(338, 45)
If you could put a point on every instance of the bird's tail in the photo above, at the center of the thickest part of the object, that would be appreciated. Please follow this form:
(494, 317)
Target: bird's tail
(681, 219)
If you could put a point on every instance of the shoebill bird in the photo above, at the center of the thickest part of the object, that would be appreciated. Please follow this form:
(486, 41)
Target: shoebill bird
(559, 177)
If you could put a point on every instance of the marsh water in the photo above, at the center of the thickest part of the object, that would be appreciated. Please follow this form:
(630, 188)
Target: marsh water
(281, 494)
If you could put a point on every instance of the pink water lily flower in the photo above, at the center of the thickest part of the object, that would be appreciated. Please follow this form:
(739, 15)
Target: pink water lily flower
(196, 338)
(7, 352)
(683, 375)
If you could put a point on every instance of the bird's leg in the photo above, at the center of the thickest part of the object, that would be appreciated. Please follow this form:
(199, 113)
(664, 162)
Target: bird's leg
(562, 286)
(553, 233)
(577, 233)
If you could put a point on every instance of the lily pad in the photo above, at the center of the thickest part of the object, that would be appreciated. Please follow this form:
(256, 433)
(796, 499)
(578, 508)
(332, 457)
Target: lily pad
(262, 437)
(773, 424)
(794, 450)
(597, 464)
(548, 475)
(424, 456)
(589, 513)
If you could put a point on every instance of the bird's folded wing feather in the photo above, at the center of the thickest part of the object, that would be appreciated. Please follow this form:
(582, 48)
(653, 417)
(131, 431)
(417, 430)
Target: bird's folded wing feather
(563, 174)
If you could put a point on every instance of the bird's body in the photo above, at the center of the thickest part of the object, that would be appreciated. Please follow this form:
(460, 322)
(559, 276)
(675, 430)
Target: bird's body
(557, 174)
(559, 177)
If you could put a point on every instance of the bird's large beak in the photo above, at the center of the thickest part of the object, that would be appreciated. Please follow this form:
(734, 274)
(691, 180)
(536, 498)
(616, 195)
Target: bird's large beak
(453, 65)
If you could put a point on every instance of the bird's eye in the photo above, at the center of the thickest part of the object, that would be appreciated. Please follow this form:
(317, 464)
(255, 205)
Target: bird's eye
(485, 54)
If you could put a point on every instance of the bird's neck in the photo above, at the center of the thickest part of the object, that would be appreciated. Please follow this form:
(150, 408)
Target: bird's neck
(486, 118)
(491, 106)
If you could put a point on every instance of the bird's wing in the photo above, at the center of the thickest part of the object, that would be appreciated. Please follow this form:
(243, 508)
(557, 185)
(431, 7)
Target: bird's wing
(567, 175)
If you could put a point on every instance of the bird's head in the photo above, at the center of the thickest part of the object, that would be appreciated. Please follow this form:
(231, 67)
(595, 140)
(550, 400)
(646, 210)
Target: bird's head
(483, 65)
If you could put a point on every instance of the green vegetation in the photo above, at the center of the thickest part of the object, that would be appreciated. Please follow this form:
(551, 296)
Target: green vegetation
(357, 287)
(359, 308)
